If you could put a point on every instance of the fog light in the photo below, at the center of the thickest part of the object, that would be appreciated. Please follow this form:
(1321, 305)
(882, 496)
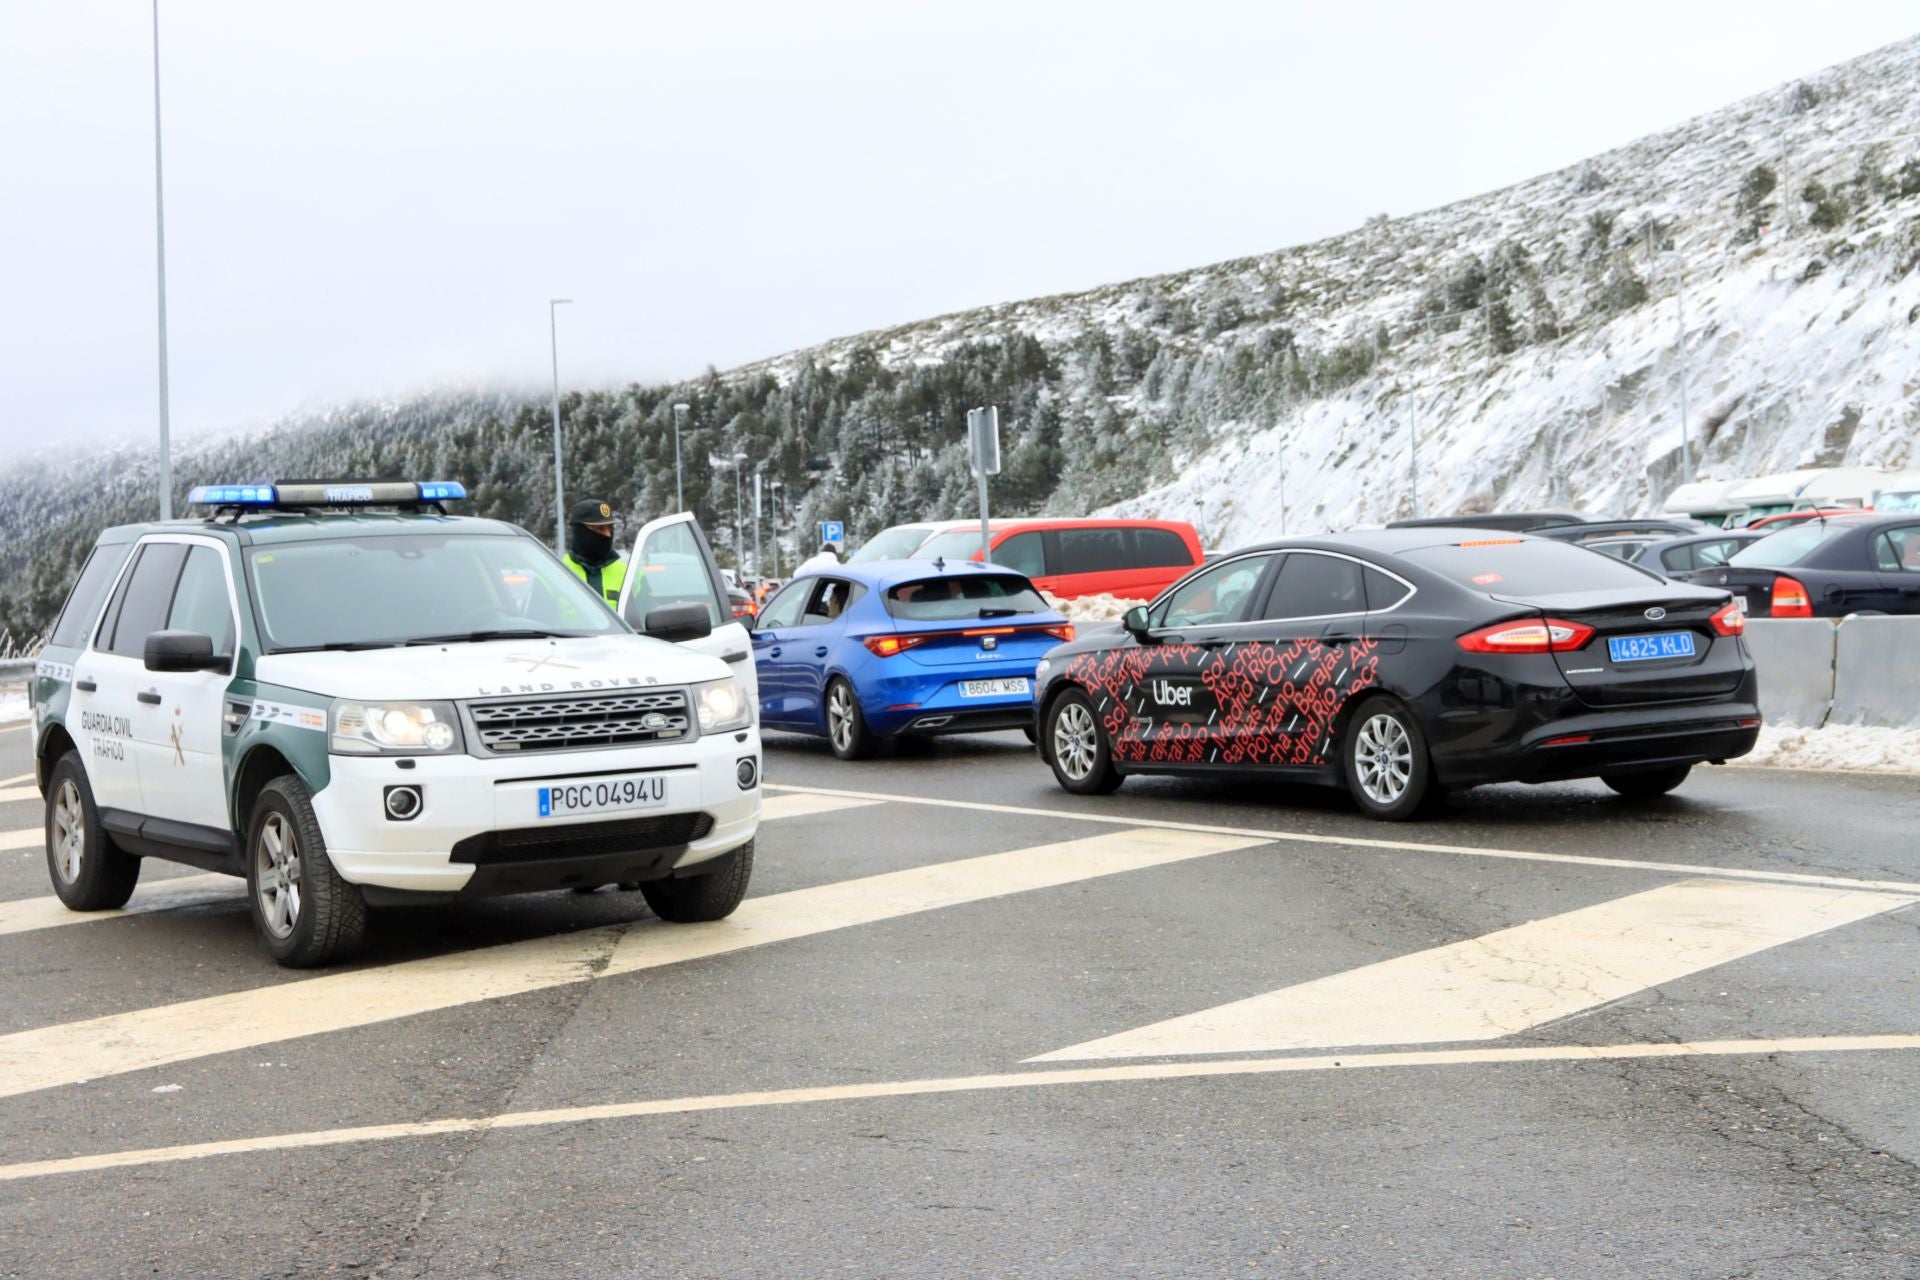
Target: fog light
(403, 803)
(747, 772)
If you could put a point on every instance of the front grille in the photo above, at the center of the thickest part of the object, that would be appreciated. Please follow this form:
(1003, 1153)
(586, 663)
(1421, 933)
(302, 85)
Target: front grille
(584, 840)
(519, 725)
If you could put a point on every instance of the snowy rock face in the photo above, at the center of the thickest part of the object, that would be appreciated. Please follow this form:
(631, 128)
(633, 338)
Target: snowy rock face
(1523, 348)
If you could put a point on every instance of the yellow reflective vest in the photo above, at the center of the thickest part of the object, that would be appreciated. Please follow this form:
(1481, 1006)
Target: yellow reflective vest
(607, 579)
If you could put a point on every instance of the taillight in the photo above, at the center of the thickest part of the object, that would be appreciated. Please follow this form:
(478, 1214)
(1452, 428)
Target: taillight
(887, 646)
(1729, 619)
(1546, 635)
(1790, 599)
(1059, 630)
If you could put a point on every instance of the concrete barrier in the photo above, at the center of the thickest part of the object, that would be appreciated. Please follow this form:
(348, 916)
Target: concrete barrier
(1876, 672)
(1796, 661)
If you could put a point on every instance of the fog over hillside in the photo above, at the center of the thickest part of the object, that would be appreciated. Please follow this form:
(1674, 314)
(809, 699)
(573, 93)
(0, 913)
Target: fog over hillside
(1523, 344)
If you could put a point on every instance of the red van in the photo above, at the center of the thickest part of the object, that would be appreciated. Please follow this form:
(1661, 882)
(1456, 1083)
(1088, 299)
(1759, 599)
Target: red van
(1134, 559)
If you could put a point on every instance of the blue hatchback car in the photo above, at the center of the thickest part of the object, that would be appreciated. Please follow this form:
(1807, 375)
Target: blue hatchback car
(882, 648)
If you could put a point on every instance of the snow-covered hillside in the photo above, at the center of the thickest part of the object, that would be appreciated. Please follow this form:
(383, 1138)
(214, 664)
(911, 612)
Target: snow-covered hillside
(1802, 310)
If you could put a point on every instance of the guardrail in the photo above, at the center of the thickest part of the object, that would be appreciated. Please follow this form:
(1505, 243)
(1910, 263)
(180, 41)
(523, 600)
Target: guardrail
(1862, 670)
(16, 668)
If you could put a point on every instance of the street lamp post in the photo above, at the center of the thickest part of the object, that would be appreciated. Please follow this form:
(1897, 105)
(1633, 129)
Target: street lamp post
(774, 485)
(739, 536)
(679, 497)
(559, 494)
(160, 255)
(758, 484)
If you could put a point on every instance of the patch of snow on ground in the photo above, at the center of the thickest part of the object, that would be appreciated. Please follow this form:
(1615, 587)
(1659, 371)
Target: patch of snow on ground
(1838, 746)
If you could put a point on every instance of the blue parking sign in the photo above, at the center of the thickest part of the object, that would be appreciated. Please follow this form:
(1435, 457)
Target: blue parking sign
(833, 531)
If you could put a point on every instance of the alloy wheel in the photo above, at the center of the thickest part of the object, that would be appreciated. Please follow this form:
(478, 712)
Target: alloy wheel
(277, 863)
(1074, 744)
(1383, 758)
(840, 717)
(69, 831)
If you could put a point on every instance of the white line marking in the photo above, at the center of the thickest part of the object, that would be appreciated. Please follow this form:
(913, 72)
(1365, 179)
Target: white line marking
(27, 914)
(9, 794)
(17, 780)
(1363, 842)
(950, 1084)
(88, 1050)
(25, 838)
(804, 806)
(1510, 980)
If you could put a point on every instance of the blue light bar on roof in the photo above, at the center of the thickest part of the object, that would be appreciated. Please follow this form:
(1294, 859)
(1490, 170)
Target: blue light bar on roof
(231, 495)
(325, 495)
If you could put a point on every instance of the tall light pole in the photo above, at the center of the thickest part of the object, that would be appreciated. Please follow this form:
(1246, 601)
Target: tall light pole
(774, 485)
(739, 538)
(679, 498)
(559, 496)
(160, 254)
(758, 569)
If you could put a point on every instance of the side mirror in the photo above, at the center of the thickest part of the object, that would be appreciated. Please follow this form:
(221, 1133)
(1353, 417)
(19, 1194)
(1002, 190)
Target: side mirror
(182, 651)
(1134, 621)
(676, 623)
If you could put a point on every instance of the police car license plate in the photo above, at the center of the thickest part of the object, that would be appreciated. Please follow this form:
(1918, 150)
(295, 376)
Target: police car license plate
(1663, 644)
(603, 795)
(1007, 688)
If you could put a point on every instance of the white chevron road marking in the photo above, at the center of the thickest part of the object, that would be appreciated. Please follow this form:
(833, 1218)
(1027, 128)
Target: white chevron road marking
(87, 1050)
(1511, 980)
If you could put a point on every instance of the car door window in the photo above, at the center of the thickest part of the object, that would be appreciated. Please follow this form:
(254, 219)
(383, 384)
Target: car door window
(145, 598)
(1023, 553)
(1316, 586)
(1216, 595)
(200, 602)
(1384, 591)
(1681, 559)
(1093, 551)
(1898, 550)
(670, 567)
(1160, 549)
(829, 600)
(784, 609)
(83, 602)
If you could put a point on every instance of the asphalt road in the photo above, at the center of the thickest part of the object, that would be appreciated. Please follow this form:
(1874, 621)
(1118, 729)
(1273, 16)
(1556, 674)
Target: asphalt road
(1575, 1037)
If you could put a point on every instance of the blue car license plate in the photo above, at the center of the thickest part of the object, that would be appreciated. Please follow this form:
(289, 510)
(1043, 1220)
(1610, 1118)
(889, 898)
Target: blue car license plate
(1663, 644)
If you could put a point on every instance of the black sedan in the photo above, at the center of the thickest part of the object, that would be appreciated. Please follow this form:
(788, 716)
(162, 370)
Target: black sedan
(1827, 568)
(1678, 557)
(1404, 662)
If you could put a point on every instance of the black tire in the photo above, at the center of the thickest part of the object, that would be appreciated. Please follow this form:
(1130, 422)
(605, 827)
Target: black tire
(89, 871)
(1077, 747)
(712, 896)
(1647, 784)
(325, 919)
(847, 729)
(1383, 756)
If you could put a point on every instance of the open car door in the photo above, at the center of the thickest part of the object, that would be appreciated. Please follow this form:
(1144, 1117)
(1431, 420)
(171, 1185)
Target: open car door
(672, 564)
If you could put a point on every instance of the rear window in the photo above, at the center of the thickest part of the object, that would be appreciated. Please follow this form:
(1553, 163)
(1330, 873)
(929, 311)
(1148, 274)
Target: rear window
(950, 599)
(1529, 567)
(1161, 549)
(1789, 546)
(83, 603)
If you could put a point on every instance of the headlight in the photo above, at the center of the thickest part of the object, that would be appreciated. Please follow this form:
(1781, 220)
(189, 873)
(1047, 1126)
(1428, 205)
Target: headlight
(412, 728)
(721, 706)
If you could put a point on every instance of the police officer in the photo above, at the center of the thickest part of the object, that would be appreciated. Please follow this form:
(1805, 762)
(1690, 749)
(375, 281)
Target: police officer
(590, 552)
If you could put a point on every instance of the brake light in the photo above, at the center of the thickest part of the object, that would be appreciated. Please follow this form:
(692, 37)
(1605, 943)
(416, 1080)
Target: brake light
(1729, 619)
(1059, 630)
(1571, 740)
(1547, 635)
(888, 646)
(1790, 599)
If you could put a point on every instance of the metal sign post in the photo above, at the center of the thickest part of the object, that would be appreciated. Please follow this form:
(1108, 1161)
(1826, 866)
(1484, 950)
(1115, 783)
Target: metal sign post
(983, 451)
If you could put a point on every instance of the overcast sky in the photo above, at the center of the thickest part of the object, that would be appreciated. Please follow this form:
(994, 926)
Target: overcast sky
(365, 197)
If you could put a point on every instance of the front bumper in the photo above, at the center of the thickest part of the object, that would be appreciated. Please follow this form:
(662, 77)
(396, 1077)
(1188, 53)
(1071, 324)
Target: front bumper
(478, 829)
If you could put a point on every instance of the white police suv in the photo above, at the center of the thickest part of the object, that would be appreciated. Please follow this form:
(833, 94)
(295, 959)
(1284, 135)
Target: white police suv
(351, 698)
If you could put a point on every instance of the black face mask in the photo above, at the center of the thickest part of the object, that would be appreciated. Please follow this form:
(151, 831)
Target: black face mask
(589, 547)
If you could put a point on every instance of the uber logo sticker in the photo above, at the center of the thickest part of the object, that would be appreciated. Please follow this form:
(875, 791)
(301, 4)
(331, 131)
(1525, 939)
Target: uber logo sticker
(1168, 694)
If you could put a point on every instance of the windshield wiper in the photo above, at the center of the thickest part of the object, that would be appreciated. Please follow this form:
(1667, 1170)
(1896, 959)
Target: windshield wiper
(343, 646)
(511, 633)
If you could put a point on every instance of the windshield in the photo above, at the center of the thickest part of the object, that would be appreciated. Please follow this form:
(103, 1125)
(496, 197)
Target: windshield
(896, 543)
(1898, 502)
(997, 595)
(961, 544)
(1789, 546)
(373, 591)
(1529, 567)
